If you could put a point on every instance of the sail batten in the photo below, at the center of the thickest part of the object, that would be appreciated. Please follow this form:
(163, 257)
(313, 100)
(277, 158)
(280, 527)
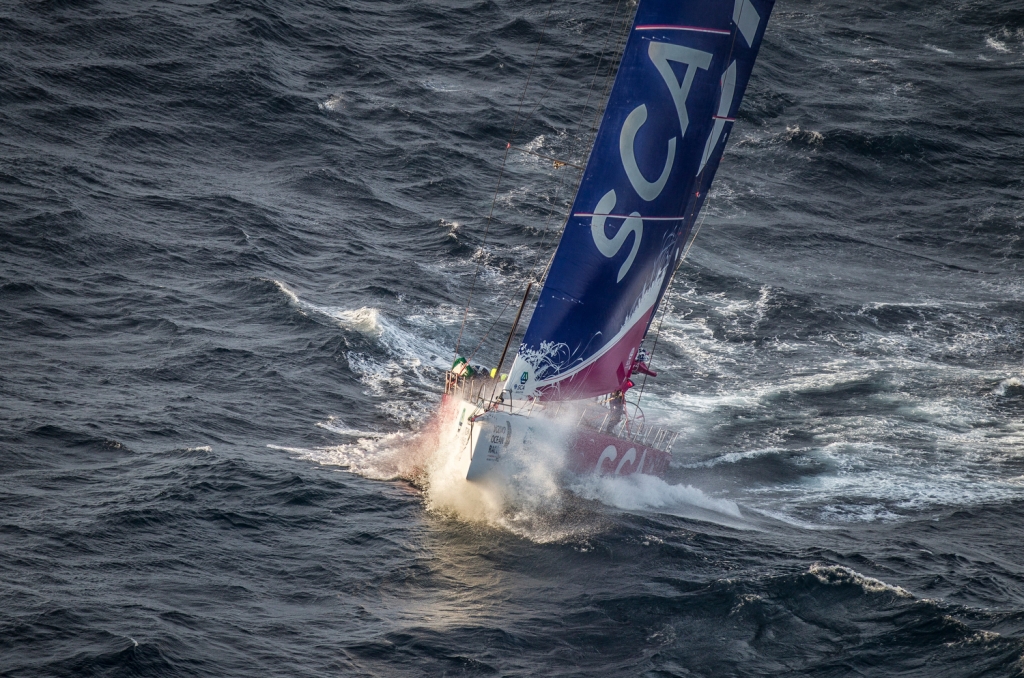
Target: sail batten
(670, 112)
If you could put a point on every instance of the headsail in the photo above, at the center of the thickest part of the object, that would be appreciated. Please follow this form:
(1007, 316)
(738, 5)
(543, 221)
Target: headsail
(680, 81)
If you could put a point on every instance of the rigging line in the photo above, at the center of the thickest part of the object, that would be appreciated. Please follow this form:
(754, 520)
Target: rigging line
(597, 71)
(579, 125)
(561, 68)
(598, 110)
(610, 79)
(657, 335)
(558, 163)
(707, 208)
(529, 76)
(501, 173)
(608, 82)
(561, 180)
(493, 325)
(650, 360)
(476, 273)
(512, 332)
(565, 63)
(544, 237)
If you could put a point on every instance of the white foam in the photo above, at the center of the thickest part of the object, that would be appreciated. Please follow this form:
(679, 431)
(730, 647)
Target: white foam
(384, 457)
(514, 197)
(409, 353)
(528, 497)
(847, 513)
(1013, 383)
(811, 137)
(365, 319)
(452, 227)
(535, 144)
(642, 492)
(997, 45)
(925, 440)
(733, 457)
(440, 86)
(332, 104)
(786, 518)
(287, 292)
(370, 322)
(838, 574)
(928, 436)
(336, 425)
(872, 482)
(525, 496)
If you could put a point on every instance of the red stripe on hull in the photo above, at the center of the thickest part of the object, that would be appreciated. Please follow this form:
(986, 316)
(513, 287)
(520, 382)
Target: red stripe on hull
(592, 452)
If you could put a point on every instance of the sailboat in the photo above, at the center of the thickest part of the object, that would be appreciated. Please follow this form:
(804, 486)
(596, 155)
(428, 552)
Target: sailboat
(680, 81)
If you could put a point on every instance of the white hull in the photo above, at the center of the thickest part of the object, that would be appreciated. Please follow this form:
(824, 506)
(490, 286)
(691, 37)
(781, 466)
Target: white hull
(485, 441)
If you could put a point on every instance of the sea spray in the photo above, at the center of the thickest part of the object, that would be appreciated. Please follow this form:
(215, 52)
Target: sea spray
(443, 447)
(524, 487)
(641, 492)
(530, 492)
(436, 457)
(527, 496)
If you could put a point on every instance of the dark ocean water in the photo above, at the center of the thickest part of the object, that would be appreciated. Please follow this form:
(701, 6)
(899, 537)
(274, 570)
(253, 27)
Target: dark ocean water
(236, 238)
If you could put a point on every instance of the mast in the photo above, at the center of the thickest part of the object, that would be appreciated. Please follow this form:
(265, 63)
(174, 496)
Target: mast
(515, 325)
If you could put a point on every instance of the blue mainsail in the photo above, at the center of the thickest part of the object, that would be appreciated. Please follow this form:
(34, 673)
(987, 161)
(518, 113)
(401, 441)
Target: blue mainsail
(680, 81)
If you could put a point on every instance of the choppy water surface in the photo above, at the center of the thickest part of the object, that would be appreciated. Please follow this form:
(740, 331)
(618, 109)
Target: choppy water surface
(236, 239)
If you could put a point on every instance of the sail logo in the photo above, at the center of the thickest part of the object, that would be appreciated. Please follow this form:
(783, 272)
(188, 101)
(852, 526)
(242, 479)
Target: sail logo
(661, 55)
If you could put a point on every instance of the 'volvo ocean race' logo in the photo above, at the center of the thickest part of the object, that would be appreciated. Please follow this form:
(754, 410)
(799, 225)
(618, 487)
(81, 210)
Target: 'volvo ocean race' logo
(525, 377)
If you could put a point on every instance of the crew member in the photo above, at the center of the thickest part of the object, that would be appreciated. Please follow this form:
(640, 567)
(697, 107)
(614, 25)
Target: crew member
(617, 405)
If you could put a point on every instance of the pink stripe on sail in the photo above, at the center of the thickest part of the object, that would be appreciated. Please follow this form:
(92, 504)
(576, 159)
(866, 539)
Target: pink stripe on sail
(626, 216)
(695, 29)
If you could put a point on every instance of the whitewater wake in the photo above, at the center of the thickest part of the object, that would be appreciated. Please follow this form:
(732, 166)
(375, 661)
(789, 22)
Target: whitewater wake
(533, 497)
